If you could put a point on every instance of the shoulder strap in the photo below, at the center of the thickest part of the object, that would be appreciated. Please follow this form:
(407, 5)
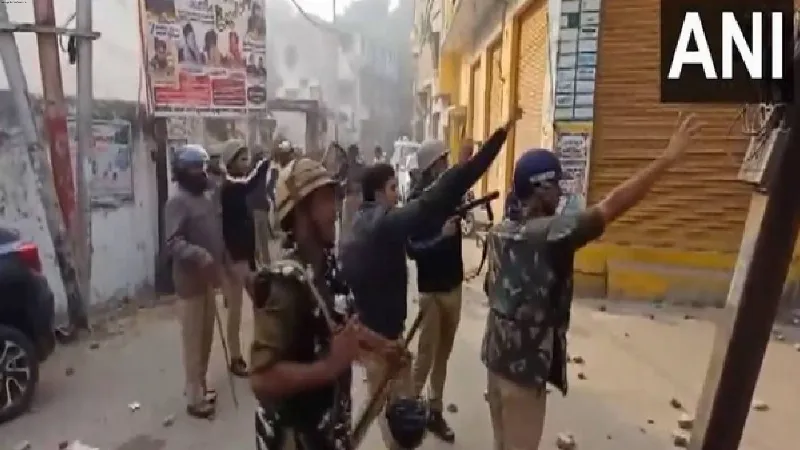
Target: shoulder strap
(305, 275)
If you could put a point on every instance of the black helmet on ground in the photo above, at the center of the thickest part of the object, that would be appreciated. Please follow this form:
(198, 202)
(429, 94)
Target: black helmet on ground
(407, 418)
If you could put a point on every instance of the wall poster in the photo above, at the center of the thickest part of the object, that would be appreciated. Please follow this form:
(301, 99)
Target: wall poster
(576, 62)
(109, 164)
(205, 57)
(573, 147)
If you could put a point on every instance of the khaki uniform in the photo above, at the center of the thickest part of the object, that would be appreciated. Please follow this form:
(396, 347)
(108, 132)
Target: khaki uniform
(529, 287)
(400, 386)
(436, 338)
(288, 326)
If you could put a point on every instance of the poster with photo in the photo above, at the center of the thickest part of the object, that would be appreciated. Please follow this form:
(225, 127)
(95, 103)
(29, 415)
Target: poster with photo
(199, 55)
(109, 164)
(573, 148)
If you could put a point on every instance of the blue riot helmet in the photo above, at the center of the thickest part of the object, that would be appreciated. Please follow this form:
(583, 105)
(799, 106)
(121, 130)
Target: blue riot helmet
(537, 170)
(189, 165)
(191, 157)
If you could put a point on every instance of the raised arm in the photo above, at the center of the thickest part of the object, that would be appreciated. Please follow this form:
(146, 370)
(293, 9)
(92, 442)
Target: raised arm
(578, 230)
(445, 194)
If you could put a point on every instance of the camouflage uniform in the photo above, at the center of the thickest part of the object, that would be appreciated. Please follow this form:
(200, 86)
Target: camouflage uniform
(289, 326)
(529, 286)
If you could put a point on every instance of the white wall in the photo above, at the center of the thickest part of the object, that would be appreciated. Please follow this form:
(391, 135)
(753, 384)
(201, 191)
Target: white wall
(124, 239)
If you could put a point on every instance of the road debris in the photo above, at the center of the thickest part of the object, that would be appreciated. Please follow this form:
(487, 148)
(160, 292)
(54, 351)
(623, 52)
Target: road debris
(650, 421)
(24, 445)
(675, 403)
(565, 441)
(680, 438)
(797, 347)
(135, 406)
(94, 346)
(759, 405)
(602, 308)
(686, 421)
(581, 376)
(168, 421)
(578, 360)
(69, 371)
(452, 408)
(63, 445)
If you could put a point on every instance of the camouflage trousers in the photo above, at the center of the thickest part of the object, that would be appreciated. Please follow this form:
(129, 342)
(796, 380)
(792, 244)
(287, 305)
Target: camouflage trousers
(517, 414)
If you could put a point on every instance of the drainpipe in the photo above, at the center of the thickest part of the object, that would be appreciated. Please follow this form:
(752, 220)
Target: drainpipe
(85, 141)
(49, 184)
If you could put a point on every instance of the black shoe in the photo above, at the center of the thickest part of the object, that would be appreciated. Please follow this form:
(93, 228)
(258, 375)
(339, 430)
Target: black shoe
(239, 367)
(439, 427)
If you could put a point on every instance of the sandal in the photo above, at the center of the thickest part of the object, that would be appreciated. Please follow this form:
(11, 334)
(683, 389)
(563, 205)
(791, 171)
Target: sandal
(202, 410)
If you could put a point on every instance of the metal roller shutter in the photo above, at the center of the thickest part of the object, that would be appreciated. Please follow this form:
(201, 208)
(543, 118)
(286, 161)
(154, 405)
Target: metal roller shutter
(532, 68)
(699, 206)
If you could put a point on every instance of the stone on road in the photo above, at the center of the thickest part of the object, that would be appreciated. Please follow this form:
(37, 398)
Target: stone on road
(627, 396)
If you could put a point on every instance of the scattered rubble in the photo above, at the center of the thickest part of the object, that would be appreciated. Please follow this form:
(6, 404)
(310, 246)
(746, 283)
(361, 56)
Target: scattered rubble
(650, 421)
(63, 445)
(24, 445)
(627, 334)
(602, 308)
(578, 360)
(135, 406)
(565, 441)
(688, 317)
(675, 403)
(680, 438)
(686, 421)
(94, 346)
(168, 421)
(69, 371)
(651, 317)
(452, 408)
(581, 376)
(759, 405)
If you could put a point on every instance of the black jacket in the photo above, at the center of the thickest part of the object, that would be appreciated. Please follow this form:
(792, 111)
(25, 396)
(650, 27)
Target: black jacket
(373, 255)
(238, 228)
(440, 266)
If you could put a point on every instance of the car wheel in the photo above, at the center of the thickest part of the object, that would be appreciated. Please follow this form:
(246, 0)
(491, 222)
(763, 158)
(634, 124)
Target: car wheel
(19, 373)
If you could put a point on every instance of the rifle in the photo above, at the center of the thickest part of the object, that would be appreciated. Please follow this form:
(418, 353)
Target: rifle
(465, 208)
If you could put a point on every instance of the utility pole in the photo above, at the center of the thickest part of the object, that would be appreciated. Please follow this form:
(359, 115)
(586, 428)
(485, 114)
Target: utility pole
(55, 119)
(336, 71)
(85, 141)
(46, 179)
(756, 287)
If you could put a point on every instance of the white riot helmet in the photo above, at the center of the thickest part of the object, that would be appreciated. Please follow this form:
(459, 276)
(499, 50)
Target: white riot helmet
(430, 152)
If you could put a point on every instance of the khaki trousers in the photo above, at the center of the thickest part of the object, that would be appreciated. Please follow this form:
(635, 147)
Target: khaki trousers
(517, 414)
(400, 386)
(436, 337)
(233, 291)
(262, 221)
(197, 330)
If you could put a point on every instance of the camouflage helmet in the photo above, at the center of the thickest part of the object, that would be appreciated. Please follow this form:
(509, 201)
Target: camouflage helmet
(297, 181)
(430, 152)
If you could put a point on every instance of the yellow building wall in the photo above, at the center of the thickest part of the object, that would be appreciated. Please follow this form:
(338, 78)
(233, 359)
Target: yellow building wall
(681, 242)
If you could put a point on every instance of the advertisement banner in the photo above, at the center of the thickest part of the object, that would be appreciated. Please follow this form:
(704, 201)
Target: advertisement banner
(109, 164)
(205, 57)
(573, 148)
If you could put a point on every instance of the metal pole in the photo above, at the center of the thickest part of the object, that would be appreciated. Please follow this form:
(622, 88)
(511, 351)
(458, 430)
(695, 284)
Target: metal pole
(85, 132)
(743, 334)
(46, 179)
(336, 71)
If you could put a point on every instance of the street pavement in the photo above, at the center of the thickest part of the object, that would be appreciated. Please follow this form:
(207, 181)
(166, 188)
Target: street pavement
(638, 358)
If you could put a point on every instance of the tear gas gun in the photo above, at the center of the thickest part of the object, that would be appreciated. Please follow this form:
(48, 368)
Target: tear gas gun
(465, 208)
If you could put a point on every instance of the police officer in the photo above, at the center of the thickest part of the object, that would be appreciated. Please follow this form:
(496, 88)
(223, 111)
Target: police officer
(300, 371)
(196, 248)
(440, 272)
(529, 285)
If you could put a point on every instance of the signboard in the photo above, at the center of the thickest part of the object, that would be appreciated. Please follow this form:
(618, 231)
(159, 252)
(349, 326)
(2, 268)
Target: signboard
(573, 148)
(205, 57)
(109, 164)
(576, 64)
